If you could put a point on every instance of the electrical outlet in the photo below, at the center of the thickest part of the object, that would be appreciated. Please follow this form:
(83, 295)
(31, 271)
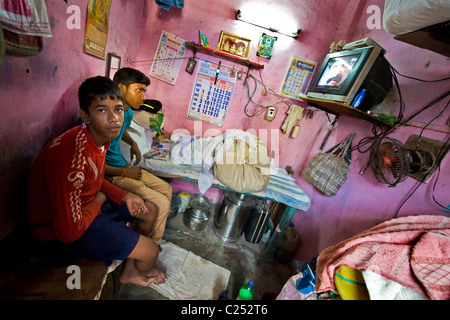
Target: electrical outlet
(270, 113)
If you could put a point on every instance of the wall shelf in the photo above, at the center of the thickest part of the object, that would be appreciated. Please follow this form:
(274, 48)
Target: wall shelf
(344, 109)
(197, 48)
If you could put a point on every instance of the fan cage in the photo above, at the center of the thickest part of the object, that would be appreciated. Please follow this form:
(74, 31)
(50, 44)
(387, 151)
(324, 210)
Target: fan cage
(395, 173)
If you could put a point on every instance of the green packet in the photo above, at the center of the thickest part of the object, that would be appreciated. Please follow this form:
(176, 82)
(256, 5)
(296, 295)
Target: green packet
(156, 122)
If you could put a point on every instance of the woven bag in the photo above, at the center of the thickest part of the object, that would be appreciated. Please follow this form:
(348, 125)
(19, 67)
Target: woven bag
(328, 171)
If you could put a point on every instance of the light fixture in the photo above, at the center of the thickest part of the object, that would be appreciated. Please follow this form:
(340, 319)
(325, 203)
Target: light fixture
(286, 30)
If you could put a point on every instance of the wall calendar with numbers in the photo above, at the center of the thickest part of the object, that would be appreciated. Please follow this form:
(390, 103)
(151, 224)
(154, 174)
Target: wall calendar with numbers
(168, 58)
(298, 77)
(212, 93)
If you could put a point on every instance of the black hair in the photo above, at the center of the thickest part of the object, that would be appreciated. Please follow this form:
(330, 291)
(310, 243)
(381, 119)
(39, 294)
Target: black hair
(127, 76)
(99, 86)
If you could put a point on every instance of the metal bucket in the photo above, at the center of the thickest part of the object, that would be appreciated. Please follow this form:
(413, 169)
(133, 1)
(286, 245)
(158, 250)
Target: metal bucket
(230, 220)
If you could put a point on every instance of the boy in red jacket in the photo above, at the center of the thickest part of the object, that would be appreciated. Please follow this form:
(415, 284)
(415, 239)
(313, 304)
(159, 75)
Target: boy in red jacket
(68, 194)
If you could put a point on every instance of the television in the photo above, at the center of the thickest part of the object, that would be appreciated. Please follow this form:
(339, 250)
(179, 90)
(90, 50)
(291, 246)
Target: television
(343, 75)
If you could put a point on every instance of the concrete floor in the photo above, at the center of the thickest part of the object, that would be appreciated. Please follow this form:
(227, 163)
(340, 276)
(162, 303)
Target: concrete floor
(242, 258)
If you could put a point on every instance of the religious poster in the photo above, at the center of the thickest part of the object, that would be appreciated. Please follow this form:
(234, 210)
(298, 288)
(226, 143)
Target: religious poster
(297, 78)
(212, 92)
(168, 58)
(96, 33)
(265, 47)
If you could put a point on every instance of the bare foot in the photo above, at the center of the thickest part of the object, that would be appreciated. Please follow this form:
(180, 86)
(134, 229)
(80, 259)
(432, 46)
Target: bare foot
(136, 278)
(131, 275)
(156, 275)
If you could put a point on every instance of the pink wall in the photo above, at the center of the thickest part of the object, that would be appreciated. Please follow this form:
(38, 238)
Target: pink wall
(361, 203)
(39, 94)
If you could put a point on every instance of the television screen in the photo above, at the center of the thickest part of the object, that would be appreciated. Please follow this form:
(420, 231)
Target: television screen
(342, 75)
(337, 70)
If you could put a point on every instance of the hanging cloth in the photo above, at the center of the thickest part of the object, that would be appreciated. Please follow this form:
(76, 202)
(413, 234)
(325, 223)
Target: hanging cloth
(166, 4)
(25, 17)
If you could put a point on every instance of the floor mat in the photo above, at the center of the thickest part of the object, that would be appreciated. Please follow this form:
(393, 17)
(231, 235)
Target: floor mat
(190, 277)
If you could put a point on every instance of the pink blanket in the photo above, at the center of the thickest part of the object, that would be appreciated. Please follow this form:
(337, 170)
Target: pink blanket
(413, 251)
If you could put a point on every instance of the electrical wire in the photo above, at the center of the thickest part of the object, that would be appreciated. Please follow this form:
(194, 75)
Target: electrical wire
(417, 79)
(379, 132)
(421, 131)
(438, 164)
(257, 104)
(251, 96)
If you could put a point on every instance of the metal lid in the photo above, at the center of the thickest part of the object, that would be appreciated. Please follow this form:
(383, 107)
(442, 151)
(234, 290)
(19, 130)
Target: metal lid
(241, 199)
(197, 216)
(199, 203)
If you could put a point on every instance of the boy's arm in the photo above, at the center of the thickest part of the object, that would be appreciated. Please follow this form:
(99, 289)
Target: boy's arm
(113, 192)
(129, 172)
(70, 218)
(134, 150)
(136, 205)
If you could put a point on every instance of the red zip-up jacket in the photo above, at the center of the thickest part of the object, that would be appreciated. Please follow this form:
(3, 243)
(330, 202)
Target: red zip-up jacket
(64, 181)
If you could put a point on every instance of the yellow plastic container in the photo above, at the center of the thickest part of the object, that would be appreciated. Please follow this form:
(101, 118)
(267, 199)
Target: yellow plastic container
(185, 197)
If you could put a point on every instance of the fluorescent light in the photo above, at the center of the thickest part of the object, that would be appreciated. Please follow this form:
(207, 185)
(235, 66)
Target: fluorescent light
(279, 27)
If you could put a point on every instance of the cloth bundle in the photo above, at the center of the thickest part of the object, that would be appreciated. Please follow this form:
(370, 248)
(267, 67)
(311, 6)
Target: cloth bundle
(244, 168)
(236, 158)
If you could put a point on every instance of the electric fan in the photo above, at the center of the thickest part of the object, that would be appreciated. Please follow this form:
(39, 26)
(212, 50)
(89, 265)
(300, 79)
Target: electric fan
(390, 161)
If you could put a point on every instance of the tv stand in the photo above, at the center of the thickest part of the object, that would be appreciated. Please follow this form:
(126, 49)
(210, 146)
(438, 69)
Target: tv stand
(344, 109)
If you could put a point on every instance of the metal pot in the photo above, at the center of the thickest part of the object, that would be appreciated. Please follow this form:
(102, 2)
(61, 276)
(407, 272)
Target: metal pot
(232, 216)
(174, 206)
(197, 214)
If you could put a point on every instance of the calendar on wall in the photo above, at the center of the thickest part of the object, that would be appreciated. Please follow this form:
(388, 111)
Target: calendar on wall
(297, 78)
(168, 58)
(212, 92)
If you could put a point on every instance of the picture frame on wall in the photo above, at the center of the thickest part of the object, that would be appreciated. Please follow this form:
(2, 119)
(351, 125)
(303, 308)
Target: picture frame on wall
(265, 47)
(190, 66)
(233, 44)
(112, 64)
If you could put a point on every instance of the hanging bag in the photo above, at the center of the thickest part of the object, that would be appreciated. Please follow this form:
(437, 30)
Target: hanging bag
(328, 171)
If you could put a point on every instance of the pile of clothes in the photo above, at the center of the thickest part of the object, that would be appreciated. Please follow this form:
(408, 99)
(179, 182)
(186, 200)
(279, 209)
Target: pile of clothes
(406, 258)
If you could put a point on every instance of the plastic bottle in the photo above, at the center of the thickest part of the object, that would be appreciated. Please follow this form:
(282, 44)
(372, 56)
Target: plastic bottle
(184, 196)
(359, 98)
(246, 291)
(266, 236)
(289, 245)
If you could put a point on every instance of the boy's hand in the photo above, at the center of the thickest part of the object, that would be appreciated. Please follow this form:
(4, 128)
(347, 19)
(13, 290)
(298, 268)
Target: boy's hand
(135, 205)
(134, 173)
(135, 152)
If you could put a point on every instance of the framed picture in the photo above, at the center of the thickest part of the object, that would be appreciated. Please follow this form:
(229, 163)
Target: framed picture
(112, 64)
(265, 47)
(190, 66)
(234, 45)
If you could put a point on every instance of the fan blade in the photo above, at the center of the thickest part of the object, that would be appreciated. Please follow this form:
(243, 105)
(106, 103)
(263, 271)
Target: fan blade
(388, 155)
